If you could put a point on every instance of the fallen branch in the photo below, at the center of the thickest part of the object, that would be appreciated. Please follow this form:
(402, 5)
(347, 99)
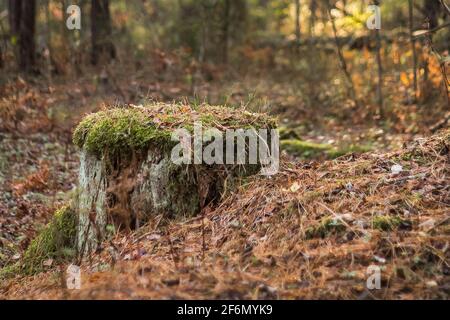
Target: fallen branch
(420, 33)
(440, 124)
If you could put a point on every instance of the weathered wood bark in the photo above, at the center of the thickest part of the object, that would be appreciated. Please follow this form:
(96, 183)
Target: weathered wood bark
(103, 49)
(139, 190)
(127, 198)
(90, 203)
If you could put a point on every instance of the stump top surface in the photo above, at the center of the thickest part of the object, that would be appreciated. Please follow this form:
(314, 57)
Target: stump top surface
(135, 127)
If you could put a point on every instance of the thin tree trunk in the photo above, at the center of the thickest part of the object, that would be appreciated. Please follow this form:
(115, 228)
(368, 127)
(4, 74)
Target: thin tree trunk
(27, 31)
(102, 46)
(297, 21)
(312, 18)
(203, 34)
(226, 31)
(380, 68)
(22, 21)
(432, 9)
(14, 13)
(342, 61)
(3, 46)
(310, 52)
(49, 39)
(413, 46)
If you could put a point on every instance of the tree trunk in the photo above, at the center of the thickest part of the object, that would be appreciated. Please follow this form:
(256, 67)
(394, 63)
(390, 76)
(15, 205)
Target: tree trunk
(380, 69)
(413, 46)
(297, 21)
(22, 21)
(48, 32)
(312, 18)
(14, 9)
(102, 47)
(342, 62)
(226, 30)
(432, 9)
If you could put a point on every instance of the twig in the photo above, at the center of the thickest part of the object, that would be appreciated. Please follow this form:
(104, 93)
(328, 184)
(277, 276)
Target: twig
(420, 33)
(440, 124)
(446, 7)
(343, 64)
(172, 251)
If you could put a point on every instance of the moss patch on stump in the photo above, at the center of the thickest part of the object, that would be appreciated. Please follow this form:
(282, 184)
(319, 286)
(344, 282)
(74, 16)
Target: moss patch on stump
(133, 128)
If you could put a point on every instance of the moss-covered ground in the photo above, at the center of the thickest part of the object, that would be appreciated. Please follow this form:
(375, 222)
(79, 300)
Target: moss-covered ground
(54, 244)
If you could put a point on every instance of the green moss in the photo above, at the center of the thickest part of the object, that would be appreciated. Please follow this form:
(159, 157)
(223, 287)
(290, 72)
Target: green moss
(55, 241)
(133, 129)
(353, 148)
(286, 133)
(9, 271)
(386, 223)
(118, 130)
(327, 226)
(304, 149)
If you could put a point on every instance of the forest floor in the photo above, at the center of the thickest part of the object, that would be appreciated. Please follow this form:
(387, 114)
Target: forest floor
(310, 232)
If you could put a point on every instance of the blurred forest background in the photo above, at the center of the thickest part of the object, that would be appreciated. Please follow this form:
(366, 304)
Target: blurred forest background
(336, 85)
(311, 61)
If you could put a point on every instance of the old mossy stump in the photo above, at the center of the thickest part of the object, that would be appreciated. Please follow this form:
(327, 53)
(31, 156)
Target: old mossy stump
(128, 173)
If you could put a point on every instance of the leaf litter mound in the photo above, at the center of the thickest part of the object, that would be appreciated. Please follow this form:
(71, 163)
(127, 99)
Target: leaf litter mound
(311, 231)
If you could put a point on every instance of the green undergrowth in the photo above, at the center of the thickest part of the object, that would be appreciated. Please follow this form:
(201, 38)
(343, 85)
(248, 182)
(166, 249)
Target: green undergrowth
(389, 223)
(287, 133)
(57, 241)
(307, 150)
(343, 150)
(304, 149)
(327, 226)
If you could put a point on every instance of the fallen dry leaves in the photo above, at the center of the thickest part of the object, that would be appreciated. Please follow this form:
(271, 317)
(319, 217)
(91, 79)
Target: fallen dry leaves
(257, 243)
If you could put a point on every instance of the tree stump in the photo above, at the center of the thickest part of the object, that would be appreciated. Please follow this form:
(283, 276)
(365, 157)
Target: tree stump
(127, 168)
